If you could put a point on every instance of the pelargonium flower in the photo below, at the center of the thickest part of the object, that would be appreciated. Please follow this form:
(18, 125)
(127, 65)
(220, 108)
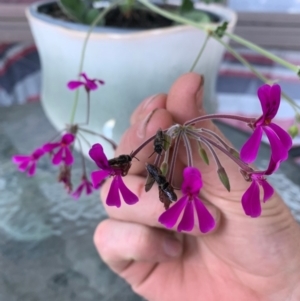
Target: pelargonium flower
(64, 153)
(192, 183)
(117, 185)
(280, 140)
(251, 198)
(84, 185)
(28, 163)
(89, 84)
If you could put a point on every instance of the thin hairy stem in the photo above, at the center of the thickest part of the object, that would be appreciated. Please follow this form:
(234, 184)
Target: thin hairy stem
(200, 52)
(188, 149)
(134, 153)
(85, 140)
(82, 157)
(173, 159)
(213, 153)
(95, 22)
(110, 141)
(293, 104)
(219, 116)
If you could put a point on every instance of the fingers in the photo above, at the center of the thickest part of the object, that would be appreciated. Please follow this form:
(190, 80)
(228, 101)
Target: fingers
(140, 131)
(149, 208)
(135, 242)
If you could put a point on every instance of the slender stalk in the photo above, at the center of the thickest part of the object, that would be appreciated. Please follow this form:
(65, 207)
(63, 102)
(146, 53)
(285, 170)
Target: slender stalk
(238, 161)
(95, 22)
(85, 140)
(134, 153)
(254, 71)
(188, 149)
(262, 51)
(200, 53)
(82, 157)
(219, 116)
(173, 159)
(110, 141)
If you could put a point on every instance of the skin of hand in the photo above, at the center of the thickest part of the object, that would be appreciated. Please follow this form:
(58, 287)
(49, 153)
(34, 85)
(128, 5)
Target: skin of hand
(243, 258)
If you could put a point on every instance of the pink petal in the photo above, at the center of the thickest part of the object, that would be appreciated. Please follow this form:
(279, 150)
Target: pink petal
(269, 97)
(49, 147)
(283, 136)
(68, 157)
(31, 170)
(263, 94)
(205, 219)
(170, 216)
(268, 190)
(192, 181)
(23, 166)
(98, 177)
(275, 94)
(250, 149)
(83, 74)
(251, 201)
(88, 188)
(74, 84)
(129, 197)
(67, 138)
(91, 85)
(57, 158)
(20, 158)
(97, 154)
(101, 82)
(187, 221)
(273, 166)
(113, 197)
(77, 193)
(38, 153)
(279, 152)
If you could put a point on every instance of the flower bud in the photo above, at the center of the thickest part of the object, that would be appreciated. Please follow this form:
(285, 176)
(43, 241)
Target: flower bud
(203, 154)
(293, 131)
(164, 168)
(224, 178)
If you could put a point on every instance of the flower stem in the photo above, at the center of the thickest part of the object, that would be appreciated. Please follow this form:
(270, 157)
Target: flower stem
(219, 116)
(174, 157)
(95, 22)
(264, 52)
(254, 71)
(188, 149)
(200, 52)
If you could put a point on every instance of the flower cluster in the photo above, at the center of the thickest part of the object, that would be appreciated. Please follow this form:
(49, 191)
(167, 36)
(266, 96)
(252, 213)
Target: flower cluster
(179, 213)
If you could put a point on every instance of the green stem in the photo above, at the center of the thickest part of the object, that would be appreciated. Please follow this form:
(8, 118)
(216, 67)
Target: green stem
(264, 52)
(200, 53)
(95, 22)
(293, 104)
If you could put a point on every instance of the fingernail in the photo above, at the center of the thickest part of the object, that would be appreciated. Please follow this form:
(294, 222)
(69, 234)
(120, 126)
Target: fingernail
(141, 130)
(148, 101)
(199, 95)
(172, 247)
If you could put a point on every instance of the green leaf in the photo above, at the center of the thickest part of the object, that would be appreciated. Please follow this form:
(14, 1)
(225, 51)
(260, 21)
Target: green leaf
(203, 155)
(293, 131)
(91, 15)
(73, 9)
(224, 178)
(186, 6)
(197, 16)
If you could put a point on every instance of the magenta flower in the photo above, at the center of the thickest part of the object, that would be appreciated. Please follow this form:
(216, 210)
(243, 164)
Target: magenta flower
(64, 153)
(251, 198)
(190, 201)
(28, 163)
(84, 185)
(89, 84)
(280, 140)
(117, 185)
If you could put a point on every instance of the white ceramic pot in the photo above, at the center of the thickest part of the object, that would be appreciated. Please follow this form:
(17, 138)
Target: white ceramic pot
(133, 63)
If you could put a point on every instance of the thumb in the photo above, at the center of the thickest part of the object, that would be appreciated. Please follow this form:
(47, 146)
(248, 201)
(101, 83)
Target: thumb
(185, 102)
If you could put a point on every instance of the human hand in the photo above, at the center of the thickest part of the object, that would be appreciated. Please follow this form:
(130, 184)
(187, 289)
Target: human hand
(243, 258)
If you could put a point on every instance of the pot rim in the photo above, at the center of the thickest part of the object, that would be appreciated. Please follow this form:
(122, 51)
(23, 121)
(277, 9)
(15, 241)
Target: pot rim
(225, 14)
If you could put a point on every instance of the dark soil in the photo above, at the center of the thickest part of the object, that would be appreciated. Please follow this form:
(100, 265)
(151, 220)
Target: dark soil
(138, 18)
